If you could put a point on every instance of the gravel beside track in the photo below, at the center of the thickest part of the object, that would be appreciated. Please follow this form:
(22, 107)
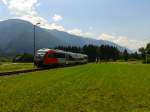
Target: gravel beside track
(20, 72)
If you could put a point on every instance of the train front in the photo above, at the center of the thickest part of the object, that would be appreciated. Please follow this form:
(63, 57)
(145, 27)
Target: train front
(39, 57)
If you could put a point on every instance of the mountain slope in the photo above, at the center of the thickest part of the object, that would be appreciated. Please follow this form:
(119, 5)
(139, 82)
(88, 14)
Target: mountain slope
(16, 36)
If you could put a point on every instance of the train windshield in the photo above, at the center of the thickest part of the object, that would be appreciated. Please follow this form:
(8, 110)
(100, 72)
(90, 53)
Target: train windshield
(40, 53)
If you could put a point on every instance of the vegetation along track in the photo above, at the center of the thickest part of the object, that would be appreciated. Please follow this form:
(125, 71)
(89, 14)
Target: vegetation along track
(20, 71)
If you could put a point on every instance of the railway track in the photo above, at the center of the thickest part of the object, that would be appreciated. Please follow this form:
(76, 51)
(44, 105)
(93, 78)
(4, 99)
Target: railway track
(20, 72)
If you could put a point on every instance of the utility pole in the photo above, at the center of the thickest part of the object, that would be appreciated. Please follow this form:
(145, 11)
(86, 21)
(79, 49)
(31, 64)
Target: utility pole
(34, 44)
(146, 57)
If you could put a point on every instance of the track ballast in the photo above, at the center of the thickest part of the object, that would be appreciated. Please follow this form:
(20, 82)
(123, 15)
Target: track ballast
(20, 72)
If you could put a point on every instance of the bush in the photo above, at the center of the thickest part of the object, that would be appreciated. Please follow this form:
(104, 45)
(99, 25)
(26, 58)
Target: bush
(148, 62)
(147, 59)
(5, 59)
(25, 58)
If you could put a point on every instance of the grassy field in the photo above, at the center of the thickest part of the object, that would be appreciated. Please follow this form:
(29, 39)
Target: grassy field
(85, 88)
(15, 66)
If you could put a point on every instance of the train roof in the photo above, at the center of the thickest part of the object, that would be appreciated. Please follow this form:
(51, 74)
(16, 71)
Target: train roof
(47, 50)
(44, 50)
(60, 51)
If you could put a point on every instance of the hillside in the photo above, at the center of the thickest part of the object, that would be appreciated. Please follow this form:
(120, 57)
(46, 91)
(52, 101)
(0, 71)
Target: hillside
(16, 36)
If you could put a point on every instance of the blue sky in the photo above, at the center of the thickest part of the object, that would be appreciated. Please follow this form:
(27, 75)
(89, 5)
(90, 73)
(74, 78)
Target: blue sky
(125, 22)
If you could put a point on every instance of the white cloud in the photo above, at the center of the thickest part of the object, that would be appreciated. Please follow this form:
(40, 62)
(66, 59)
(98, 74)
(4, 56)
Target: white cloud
(38, 4)
(123, 41)
(21, 7)
(5, 2)
(57, 17)
(106, 37)
(34, 19)
(26, 10)
(80, 33)
(56, 26)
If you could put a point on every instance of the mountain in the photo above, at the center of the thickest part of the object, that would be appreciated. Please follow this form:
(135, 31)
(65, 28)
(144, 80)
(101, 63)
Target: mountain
(16, 36)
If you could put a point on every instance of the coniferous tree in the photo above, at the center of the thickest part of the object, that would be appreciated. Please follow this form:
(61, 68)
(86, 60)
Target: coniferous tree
(143, 52)
(125, 55)
(148, 48)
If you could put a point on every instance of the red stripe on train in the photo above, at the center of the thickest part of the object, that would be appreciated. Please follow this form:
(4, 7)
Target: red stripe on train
(49, 61)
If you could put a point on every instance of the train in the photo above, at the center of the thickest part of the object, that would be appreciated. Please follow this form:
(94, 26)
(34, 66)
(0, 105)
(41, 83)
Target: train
(53, 57)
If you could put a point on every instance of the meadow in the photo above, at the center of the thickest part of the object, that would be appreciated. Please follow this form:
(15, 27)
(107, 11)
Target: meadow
(5, 67)
(108, 87)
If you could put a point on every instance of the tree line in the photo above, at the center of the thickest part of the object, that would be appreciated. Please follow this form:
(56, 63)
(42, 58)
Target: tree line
(103, 52)
(145, 53)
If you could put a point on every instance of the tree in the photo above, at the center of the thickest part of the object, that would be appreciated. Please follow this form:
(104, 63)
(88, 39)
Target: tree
(134, 55)
(125, 55)
(148, 48)
(91, 51)
(142, 51)
(24, 58)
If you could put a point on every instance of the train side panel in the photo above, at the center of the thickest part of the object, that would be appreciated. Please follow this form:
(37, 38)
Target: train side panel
(46, 57)
(49, 59)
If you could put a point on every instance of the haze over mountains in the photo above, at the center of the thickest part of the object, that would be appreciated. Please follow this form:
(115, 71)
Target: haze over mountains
(16, 36)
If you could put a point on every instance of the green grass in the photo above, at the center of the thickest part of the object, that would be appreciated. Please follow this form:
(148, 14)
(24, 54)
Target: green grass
(15, 66)
(85, 88)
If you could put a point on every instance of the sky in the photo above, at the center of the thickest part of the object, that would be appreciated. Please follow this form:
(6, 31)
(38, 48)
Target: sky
(125, 22)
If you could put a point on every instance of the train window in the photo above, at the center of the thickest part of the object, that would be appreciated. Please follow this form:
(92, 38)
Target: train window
(41, 52)
(50, 56)
(86, 57)
(59, 55)
(70, 57)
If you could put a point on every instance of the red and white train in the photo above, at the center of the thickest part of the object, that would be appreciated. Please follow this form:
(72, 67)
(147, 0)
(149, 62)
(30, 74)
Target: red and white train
(51, 57)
